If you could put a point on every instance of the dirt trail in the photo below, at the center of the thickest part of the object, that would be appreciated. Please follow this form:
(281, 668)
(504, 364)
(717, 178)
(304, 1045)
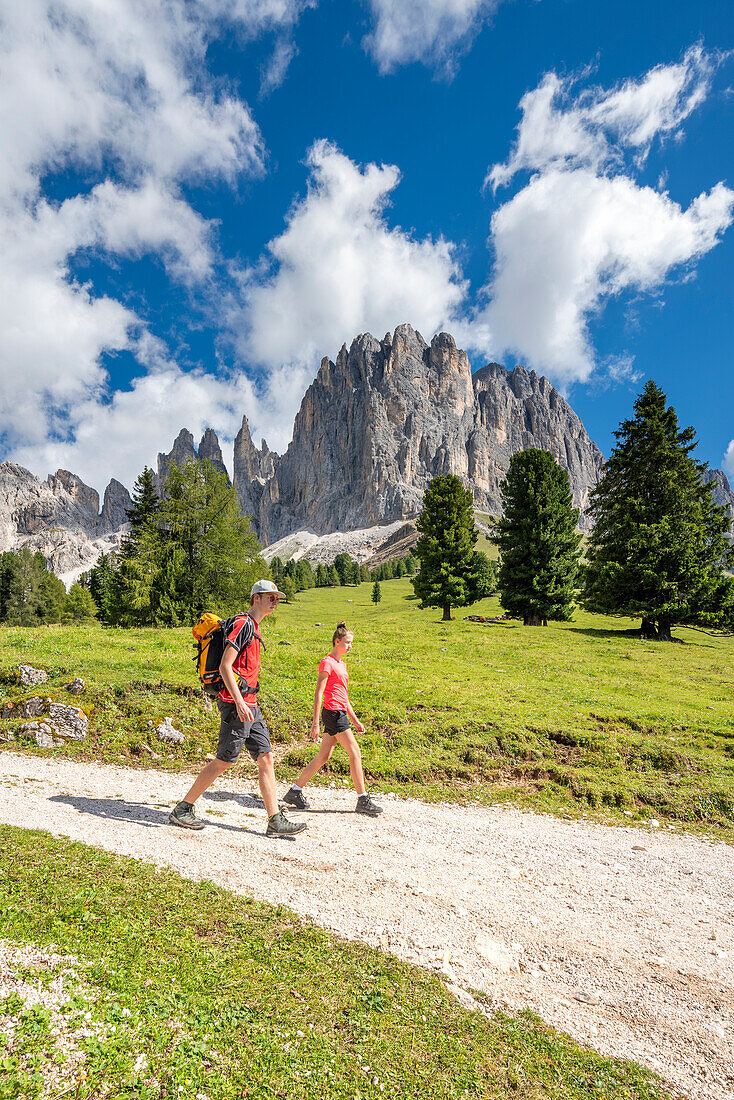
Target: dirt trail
(624, 938)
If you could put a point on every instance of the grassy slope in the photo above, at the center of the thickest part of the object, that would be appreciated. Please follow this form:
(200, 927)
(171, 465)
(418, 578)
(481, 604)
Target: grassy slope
(576, 717)
(187, 991)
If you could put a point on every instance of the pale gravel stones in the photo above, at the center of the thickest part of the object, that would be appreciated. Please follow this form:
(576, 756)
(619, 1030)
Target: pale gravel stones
(425, 882)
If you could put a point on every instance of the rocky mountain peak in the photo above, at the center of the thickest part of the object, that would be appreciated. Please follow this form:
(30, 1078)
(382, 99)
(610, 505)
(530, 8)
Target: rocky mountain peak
(387, 416)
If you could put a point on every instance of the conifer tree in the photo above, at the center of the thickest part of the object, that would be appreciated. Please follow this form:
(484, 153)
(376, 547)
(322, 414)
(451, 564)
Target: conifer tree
(322, 576)
(24, 599)
(211, 557)
(445, 546)
(376, 592)
(484, 575)
(53, 597)
(145, 502)
(79, 604)
(538, 540)
(658, 548)
(333, 577)
(288, 588)
(342, 564)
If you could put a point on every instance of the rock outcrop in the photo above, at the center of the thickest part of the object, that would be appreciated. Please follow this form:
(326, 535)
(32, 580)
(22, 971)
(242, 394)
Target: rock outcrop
(184, 451)
(722, 493)
(251, 469)
(59, 517)
(114, 508)
(375, 427)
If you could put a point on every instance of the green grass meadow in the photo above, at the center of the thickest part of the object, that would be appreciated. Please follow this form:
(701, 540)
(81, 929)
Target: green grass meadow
(183, 991)
(574, 718)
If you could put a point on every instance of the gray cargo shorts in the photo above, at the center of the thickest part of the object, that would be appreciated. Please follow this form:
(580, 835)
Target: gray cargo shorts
(235, 735)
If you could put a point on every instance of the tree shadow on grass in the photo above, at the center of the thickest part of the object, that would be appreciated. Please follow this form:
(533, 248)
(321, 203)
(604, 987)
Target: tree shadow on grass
(118, 809)
(604, 632)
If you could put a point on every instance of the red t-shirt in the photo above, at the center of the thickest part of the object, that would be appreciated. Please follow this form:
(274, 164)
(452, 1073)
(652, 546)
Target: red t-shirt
(335, 692)
(244, 637)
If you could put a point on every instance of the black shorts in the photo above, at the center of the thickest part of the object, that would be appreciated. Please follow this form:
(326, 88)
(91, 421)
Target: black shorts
(235, 735)
(335, 721)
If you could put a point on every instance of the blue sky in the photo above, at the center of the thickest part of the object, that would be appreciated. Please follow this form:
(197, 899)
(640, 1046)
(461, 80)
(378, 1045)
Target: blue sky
(201, 199)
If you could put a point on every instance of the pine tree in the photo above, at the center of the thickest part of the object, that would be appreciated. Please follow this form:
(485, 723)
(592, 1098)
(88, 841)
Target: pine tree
(411, 565)
(376, 592)
(658, 548)
(276, 569)
(322, 576)
(102, 580)
(144, 500)
(334, 581)
(52, 592)
(288, 588)
(484, 575)
(24, 599)
(538, 540)
(364, 572)
(210, 556)
(343, 564)
(445, 546)
(79, 604)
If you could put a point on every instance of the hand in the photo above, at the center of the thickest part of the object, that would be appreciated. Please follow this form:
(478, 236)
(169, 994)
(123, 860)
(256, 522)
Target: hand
(358, 726)
(313, 733)
(243, 711)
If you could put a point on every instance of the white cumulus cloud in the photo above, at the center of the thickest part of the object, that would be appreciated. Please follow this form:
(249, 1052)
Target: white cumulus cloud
(728, 463)
(119, 94)
(339, 269)
(583, 229)
(434, 32)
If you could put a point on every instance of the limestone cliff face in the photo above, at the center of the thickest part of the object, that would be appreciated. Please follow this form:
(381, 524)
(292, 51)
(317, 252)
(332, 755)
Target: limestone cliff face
(722, 494)
(184, 451)
(59, 517)
(252, 468)
(375, 427)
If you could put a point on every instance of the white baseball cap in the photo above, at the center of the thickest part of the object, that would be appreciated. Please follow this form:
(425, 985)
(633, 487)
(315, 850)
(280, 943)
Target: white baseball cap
(265, 586)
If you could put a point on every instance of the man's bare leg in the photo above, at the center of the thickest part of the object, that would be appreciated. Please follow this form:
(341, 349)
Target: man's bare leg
(205, 778)
(266, 780)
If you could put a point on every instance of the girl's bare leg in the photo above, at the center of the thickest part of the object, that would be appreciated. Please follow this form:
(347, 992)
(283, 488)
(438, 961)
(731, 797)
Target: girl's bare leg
(349, 743)
(327, 748)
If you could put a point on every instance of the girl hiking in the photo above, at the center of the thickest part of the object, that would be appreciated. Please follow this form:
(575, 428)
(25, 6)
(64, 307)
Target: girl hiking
(338, 716)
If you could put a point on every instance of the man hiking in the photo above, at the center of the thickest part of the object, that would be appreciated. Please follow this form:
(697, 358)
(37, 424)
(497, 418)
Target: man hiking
(242, 723)
(338, 716)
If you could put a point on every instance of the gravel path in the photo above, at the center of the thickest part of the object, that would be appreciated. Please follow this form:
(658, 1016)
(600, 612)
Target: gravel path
(623, 938)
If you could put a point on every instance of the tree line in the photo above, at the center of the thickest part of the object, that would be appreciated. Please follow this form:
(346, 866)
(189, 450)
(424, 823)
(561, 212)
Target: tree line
(30, 594)
(659, 549)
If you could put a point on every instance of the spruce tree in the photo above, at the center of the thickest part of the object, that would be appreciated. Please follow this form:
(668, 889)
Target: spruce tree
(537, 539)
(376, 592)
(484, 575)
(334, 581)
(79, 604)
(288, 588)
(24, 600)
(658, 548)
(145, 502)
(445, 546)
(210, 557)
(322, 576)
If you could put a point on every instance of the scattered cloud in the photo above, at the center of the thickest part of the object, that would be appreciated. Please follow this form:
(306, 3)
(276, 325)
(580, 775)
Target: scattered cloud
(339, 269)
(728, 463)
(434, 32)
(599, 126)
(583, 230)
(118, 95)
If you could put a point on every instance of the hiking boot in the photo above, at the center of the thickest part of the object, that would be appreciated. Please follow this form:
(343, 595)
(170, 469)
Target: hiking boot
(365, 805)
(279, 825)
(183, 815)
(296, 799)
